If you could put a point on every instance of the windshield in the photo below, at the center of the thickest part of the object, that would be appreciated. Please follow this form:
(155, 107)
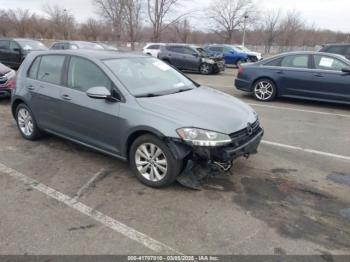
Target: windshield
(108, 47)
(87, 45)
(242, 48)
(31, 45)
(148, 76)
(202, 52)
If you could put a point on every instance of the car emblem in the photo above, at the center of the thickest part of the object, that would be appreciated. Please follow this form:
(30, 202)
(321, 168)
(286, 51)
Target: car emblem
(249, 129)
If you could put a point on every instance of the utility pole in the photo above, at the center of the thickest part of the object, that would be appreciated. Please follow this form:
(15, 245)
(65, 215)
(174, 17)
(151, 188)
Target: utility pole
(244, 28)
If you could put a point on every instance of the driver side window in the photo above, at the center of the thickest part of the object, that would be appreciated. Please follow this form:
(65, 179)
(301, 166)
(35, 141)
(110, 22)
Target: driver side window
(84, 74)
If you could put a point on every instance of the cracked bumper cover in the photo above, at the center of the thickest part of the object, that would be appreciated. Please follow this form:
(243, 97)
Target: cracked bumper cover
(182, 150)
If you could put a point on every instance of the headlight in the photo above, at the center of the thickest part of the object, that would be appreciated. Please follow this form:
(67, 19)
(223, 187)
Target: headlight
(208, 60)
(200, 137)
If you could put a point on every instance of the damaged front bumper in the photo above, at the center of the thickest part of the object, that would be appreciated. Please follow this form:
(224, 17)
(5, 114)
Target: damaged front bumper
(203, 162)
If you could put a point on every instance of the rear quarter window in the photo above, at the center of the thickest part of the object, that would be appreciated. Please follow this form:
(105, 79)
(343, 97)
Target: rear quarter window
(33, 69)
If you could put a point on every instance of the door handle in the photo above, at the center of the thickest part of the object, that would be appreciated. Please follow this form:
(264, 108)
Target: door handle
(31, 88)
(318, 75)
(280, 72)
(66, 97)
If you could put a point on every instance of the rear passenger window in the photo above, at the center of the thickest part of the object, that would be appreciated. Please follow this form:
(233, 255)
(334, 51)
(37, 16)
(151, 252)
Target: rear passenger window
(296, 61)
(176, 49)
(50, 69)
(83, 74)
(33, 71)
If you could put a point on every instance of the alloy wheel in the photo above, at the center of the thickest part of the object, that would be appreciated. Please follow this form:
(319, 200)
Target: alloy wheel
(25, 122)
(205, 69)
(151, 162)
(264, 90)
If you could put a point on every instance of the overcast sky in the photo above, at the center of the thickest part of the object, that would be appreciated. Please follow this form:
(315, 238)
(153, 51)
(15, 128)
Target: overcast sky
(326, 14)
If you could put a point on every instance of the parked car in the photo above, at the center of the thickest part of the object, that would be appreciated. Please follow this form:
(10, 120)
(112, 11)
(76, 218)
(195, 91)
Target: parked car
(306, 75)
(341, 49)
(231, 55)
(152, 49)
(72, 45)
(193, 58)
(7, 81)
(107, 46)
(252, 56)
(135, 108)
(14, 50)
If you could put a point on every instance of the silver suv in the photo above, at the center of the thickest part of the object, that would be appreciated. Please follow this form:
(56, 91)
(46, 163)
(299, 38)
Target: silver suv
(135, 108)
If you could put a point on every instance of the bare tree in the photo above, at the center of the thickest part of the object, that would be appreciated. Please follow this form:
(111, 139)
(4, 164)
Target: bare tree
(271, 28)
(5, 21)
(228, 16)
(291, 26)
(62, 22)
(91, 29)
(161, 15)
(21, 20)
(113, 12)
(133, 20)
(183, 30)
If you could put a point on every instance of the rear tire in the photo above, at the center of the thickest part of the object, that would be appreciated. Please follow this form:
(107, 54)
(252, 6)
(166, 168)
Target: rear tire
(264, 90)
(153, 162)
(26, 123)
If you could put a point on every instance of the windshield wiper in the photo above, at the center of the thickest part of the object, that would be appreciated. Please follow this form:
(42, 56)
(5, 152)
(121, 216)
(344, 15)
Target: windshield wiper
(182, 90)
(148, 95)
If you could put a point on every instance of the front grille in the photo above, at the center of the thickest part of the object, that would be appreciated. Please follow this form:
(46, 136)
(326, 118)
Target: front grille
(243, 136)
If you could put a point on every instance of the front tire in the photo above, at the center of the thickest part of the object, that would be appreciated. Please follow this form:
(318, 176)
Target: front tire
(205, 69)
(264, 90)
(153, 162)
(26, 123)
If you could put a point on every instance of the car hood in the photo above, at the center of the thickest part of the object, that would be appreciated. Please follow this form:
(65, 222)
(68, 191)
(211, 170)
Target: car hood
(4, 70)
(203, 108)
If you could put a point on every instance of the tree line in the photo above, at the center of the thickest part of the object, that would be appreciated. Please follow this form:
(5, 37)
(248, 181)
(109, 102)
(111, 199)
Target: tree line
(135, 21)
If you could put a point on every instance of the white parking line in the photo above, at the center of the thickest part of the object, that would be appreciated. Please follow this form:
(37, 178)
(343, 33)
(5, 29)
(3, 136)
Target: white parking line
(306, 150)
(88, 184)
(300, 110)
(107, 221)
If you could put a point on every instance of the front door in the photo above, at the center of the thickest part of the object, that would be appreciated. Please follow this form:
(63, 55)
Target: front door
(330, 82)
(91, 121)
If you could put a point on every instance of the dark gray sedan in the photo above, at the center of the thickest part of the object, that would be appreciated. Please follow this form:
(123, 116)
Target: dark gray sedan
(306, 75)
(135, 108)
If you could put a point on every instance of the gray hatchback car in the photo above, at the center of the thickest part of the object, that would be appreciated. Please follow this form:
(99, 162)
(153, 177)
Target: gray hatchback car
(135, 108)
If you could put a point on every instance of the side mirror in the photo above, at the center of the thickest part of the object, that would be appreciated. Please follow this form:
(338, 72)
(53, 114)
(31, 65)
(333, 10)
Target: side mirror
(346, 70)
(17, 50)
(99, 92)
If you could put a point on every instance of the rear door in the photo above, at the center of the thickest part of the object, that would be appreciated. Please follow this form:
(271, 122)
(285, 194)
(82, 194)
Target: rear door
(330, 82)
(295, 77)
(175, 54)
(4, 52)
(44, 82)
(91, 121)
